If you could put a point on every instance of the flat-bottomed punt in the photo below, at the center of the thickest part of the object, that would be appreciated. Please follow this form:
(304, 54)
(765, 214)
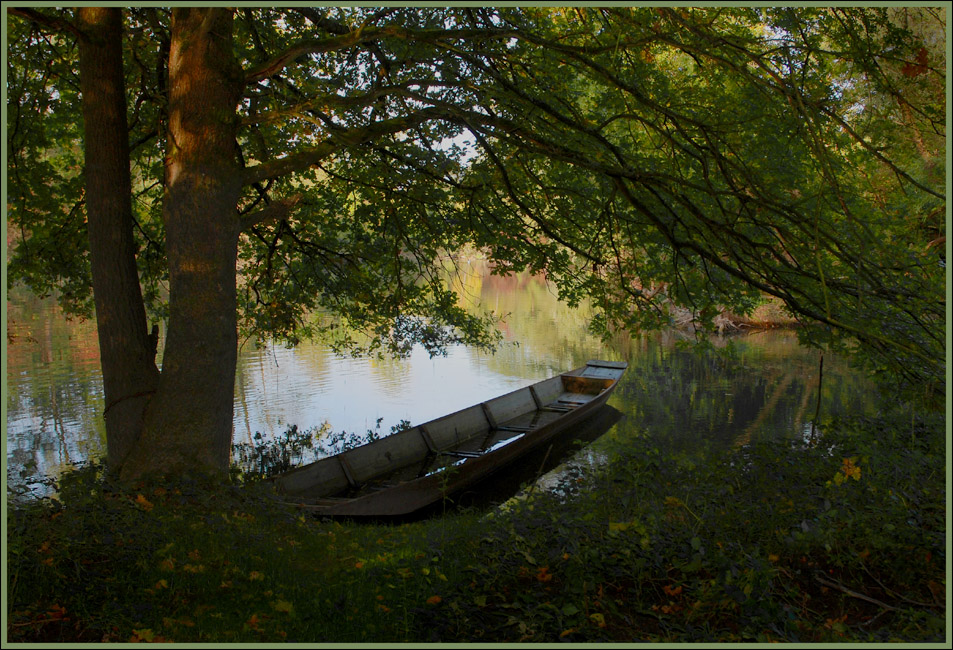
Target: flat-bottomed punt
(410, 471)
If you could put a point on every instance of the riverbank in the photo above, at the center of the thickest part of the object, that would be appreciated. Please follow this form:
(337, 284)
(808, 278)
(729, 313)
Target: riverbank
(770, 314)
(836, 538)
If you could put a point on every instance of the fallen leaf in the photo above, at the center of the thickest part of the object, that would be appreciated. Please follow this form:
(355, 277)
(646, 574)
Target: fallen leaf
(144, 634)
(282, 606)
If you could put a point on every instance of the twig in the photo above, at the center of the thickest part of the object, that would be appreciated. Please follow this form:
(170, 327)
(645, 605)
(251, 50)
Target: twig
(539, 472)
(850, 592)
(874, 617)
(895, 594)
(40, 621)
(817, 411)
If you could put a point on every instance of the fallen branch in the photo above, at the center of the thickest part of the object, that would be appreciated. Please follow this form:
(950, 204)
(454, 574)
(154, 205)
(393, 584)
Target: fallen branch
(896, 595)
(850, 592)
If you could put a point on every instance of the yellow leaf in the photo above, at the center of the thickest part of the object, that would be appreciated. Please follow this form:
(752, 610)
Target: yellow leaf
(144, 634)
(282, 606)
(672, 590)
(850, 469)
(144, 503)
(433, 600)
(256, 575)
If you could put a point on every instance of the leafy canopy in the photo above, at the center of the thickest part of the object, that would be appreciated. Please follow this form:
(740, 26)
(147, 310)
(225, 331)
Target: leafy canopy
(647, 158)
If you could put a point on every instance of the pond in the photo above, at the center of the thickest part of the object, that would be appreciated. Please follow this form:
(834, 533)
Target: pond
(761, 384)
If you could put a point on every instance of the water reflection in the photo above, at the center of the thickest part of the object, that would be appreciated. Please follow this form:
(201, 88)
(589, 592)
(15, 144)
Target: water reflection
(53, 389)
(765, 385)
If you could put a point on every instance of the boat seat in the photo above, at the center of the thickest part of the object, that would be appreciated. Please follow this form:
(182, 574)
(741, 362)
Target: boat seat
(513, 429)
(461, 454)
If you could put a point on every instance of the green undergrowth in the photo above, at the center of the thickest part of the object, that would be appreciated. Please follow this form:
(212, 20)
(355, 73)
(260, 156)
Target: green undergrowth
(839, 538)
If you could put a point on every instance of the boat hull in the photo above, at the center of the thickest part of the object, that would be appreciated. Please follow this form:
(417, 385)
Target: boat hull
(391, 477)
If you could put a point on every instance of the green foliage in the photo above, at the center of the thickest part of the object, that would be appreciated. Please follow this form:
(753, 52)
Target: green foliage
(46, 209)
(651, 159)
(664, 544)
(336, 443)
(263, 458)
(700, 158)
(45, 205)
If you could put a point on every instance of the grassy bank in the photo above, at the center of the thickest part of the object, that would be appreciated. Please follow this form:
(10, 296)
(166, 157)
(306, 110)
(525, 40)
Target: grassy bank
(837, 539)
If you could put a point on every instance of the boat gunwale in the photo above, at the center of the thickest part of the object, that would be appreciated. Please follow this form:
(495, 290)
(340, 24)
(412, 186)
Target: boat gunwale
(476, 466)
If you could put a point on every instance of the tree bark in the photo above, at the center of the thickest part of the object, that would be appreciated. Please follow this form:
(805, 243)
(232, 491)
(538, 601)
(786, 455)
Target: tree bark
(188, 424)
(127, 352)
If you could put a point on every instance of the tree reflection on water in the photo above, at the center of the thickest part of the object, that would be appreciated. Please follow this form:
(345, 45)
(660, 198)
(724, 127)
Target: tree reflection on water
(759, 384)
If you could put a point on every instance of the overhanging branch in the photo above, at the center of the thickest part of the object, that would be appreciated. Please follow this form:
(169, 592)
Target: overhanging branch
(55, 23)
(307, 47)
(273, 212)
(338, 140)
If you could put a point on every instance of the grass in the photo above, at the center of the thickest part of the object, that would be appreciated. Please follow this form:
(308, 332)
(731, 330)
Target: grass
(839, 539)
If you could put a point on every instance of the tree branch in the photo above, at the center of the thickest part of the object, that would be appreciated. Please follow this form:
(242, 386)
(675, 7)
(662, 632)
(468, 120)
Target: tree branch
(338, 140)
(329, 101)
(54, 23)
(276, 211)
(310, 46)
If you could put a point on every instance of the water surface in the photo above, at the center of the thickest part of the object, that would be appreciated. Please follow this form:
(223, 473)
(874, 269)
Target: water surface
(766, 386)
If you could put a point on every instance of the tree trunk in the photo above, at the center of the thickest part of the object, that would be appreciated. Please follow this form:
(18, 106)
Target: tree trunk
(188, 424)
(127, 352)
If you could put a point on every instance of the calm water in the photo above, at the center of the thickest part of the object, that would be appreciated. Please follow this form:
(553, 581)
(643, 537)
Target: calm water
(767, 386)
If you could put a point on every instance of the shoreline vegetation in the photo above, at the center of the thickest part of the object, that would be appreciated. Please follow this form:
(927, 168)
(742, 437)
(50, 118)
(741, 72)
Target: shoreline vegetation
(768, 315)
(839, 537)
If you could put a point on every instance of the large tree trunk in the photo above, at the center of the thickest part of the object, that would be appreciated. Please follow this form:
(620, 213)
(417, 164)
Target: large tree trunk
(127, 352)
(188, 426)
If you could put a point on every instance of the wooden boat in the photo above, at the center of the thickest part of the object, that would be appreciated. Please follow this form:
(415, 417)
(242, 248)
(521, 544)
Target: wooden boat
(408, 472)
